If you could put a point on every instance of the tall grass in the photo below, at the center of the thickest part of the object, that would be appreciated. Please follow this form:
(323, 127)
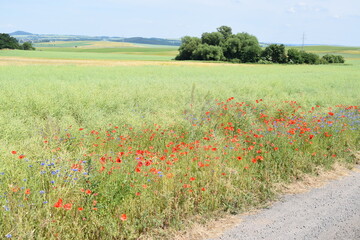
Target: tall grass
(120, 152)
(96, 54)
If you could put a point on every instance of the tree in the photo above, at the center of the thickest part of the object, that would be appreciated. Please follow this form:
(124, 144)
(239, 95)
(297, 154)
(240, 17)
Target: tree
(225, 31)
(295, 56)
(243, 47)
(329, 58)
(339, 59)
(208, 53)
(310, 58)
(214, 38)
(27, 46)
(275, 53)
(6, 41)
(231, 48)
(188, 46)
(250, 49)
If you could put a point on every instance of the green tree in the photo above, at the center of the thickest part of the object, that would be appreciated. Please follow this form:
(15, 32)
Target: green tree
(275, 53)
(231, 48)
(225, 31)
(6, 41)
(214, 38)
(250, 49)
(310, 58)
(27, 46)
(295, 56)
(243, 47)
(208, 53)
(188, 46)
(339, 59)
(329, 58)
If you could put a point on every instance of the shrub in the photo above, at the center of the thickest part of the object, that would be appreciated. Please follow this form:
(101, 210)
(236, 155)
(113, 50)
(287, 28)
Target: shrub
(275, 53)
(27, 46)
(6, 41)
(208, 52)
(295, 56)
(310, 58)
(188, 46)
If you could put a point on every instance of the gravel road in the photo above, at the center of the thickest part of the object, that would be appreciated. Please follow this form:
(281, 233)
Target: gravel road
(329, 212)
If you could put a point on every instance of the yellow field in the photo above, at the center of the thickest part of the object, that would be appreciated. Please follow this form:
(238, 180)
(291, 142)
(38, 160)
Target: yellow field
(94, 44)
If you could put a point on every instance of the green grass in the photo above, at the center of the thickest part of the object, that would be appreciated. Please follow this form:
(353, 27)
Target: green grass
(160, 143)
(96, 55)
(328, 48)
(62, 45)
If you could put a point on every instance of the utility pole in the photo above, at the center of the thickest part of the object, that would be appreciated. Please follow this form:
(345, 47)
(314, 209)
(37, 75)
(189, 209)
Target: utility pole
(303, 41)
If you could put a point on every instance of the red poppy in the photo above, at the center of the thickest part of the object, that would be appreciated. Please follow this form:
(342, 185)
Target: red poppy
(67, 206)
(58, 204)
(123, 217)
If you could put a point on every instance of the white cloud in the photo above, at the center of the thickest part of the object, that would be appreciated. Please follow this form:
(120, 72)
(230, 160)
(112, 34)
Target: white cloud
(291, 10)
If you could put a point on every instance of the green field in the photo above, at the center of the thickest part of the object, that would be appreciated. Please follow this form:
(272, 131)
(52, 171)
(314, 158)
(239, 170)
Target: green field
(97, 55)
(122, 152)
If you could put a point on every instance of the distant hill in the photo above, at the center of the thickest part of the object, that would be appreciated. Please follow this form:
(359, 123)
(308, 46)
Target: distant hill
(37, 38)
(22, 33)
(154, 41)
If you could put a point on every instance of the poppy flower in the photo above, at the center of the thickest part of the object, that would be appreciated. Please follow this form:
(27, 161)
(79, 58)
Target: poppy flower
(123, 217)
(68, 206)
(58, 204)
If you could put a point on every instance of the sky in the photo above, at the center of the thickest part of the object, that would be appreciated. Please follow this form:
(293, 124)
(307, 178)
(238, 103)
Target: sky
(332, 22)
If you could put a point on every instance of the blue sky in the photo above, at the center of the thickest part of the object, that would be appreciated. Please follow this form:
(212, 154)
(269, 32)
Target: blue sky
(281, 21)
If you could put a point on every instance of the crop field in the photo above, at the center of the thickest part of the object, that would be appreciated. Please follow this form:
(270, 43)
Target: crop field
(107, 151)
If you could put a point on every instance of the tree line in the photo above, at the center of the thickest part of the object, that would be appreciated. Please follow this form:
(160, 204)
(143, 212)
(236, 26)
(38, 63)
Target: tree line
(223, 45)
(8, 42)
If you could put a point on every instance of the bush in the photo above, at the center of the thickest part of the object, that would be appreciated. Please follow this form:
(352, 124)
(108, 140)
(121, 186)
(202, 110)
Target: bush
(275, 53)
(310, 58)
(6, 41)
(27, 46)
(295, 56)
(333, 58)
(208, 53)
(214, 38)
(188, 46)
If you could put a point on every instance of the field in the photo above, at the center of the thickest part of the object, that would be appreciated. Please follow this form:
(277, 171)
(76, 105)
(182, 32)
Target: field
(121, 142)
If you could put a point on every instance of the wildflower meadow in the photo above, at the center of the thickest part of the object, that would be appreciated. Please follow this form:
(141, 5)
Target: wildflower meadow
(124, 153)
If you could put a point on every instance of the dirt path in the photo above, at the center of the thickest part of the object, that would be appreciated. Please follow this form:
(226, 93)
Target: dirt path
(329, 212)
